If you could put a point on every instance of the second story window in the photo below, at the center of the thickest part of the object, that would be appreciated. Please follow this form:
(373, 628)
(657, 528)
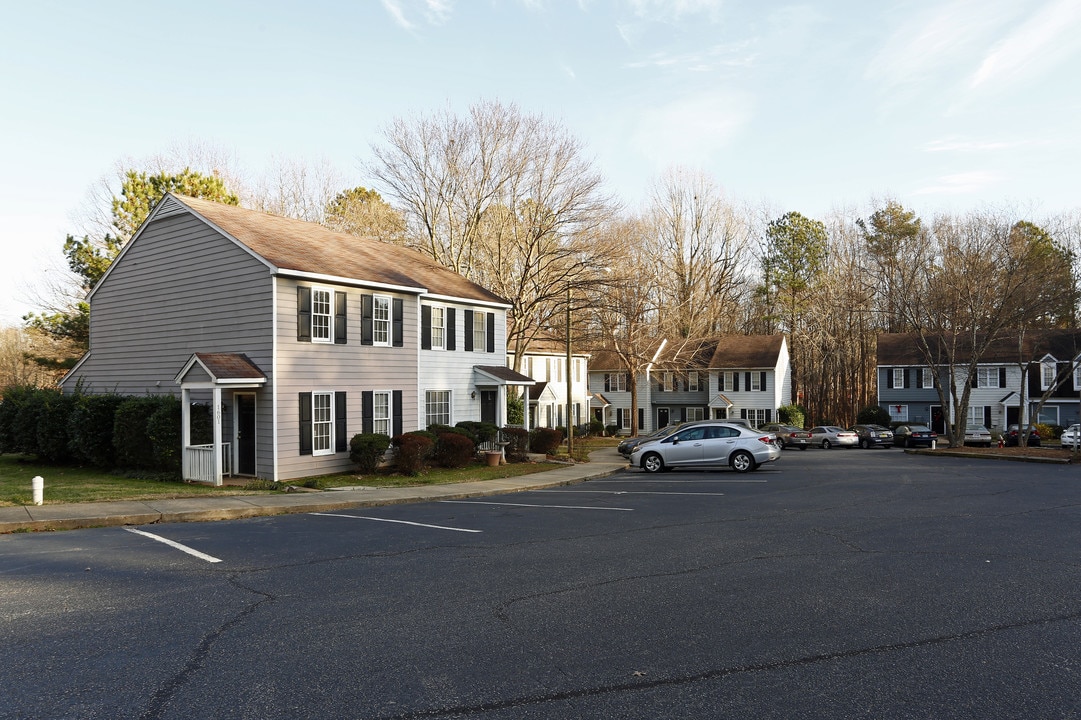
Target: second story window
(321, 315)
(615, 382)
(667, 382)
(756, 382)
(928, 378)
(692, 381)
(480, 325)
(898, 377)
(1047, 374)
(439, 326)
(381, 320)
(728, 381)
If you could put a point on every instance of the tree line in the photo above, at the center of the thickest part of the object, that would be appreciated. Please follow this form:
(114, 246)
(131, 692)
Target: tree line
(512, 201)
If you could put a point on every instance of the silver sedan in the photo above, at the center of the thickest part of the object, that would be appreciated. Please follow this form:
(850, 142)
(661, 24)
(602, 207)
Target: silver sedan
(827, 436)
(711, 444)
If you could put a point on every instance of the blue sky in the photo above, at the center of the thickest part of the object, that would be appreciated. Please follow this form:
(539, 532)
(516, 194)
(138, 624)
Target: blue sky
(808, 107)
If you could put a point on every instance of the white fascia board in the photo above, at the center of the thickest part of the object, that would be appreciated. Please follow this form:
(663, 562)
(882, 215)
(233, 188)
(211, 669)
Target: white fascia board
(463, 301)
(339, 280)
(74, 367)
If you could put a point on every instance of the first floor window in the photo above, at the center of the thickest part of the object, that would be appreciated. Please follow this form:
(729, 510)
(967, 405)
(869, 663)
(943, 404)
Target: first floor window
(322, 423)
(1049, 415)
(975, 415)
(626, 420)
(756, 416)
(436, 407)
(381, 413)
(898, 413)
(695, 414)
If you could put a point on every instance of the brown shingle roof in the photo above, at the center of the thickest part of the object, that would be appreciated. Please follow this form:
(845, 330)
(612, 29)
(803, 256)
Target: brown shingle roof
(230, 366)
(746, 351)
(904, 348)
(289, 244)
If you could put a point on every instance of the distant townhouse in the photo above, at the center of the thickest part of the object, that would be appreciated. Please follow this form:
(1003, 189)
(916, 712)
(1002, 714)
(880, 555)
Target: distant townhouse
(907, 383)
(732, 376)
(546, 363)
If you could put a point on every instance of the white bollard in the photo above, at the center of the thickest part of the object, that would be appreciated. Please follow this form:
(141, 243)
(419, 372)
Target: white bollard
(934, 444)
(38, 485)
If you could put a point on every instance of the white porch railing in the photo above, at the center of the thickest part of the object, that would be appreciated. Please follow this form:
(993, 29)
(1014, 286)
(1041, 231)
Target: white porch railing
(199, 462)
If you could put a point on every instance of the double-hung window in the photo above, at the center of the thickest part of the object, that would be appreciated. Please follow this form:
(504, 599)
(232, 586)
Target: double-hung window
(1048, 370)
(666, 382)
(756, 384)
(692, 381)
(439, 327)
(321, 314)
(380, 320)
(381, 413)
(480, 328)
(436, 407)
(928, 378)
(322, 423)
(898, 377)
(615, 382)
(728, 381)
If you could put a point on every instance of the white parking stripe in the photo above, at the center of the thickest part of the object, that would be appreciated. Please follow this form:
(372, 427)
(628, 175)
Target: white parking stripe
(677, 482)
(558, 507)
(401, 522)
(626, 492)
(178, 546)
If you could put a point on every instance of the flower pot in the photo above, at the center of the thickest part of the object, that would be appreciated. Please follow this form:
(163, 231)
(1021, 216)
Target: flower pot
(493, 458)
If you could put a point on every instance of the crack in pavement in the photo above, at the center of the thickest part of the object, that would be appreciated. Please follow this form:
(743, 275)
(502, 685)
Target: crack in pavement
(161, 698)
(527, 700)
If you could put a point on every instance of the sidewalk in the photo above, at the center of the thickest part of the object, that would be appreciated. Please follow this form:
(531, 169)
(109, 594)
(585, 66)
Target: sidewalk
(603, 462)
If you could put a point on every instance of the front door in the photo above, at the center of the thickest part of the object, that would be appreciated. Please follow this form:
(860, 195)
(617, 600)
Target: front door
(488, 399)
(245, 433)
(662, 417)
(938, 420)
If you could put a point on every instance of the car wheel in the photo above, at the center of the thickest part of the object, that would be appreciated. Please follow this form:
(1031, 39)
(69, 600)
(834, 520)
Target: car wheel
(742, 461)
(865, 444)
(652, 463)
(826, 444)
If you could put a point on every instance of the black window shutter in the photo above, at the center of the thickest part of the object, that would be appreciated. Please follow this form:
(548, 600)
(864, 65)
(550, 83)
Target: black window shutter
(365, 319)
(735, 382)
(683, 414)
(367, 409)
(889, 377)
(341, 443)
(976, 379)
(746, 381)
(987, 416)
(919, 378)
(397, 312)
(304, 314)
(396, 399)
(619, 413)
(468, 315)
(607, 383)
(908, 378)
(1002, 377)
(425, 327)
(743, 413)
(450, 334)
(339, 318)
(491, 334)
(769, 414)
(305, 423)
(762, 380)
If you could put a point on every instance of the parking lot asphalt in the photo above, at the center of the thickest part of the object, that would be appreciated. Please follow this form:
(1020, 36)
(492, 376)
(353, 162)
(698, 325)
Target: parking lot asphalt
(71, 516)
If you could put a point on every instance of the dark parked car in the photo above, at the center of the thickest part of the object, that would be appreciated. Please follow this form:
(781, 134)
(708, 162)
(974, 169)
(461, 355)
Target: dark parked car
(1010, 436)
(874, 436)
(910, 436)
(789, 436)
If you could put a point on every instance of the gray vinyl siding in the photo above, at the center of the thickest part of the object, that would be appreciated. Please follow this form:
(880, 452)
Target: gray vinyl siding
(180, 288)
(351, 368)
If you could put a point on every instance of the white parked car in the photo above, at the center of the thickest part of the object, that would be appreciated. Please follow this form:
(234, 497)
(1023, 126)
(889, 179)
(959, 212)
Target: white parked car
(1071, 436)
(710, 444)
(827, 436)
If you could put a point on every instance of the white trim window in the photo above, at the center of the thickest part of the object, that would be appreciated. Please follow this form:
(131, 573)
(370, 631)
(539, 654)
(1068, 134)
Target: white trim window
(439, 327)
(1048, 370)
(480, 331)
(322, 314)
(987, 377)
(666, 382)
(626, 418)
(898, 377)
(1077, 376)
(898, 413)
(381, 320)
(436, 407)
(975, 415)
(692, 381)
(756, 416)
(728, 381)
(696, 414)
(615, 382)
(322, 423)
(756, 384)
(928, 378)
(381, 419)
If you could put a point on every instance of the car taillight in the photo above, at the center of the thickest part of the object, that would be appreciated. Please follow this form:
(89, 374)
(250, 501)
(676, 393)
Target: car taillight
(766, 439)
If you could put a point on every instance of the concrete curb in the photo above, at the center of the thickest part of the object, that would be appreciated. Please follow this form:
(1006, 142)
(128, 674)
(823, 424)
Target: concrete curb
(985, 456)
(44, 518)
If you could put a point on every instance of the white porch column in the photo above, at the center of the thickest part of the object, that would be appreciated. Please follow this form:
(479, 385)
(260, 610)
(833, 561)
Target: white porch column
(185, 418)
(217, 436)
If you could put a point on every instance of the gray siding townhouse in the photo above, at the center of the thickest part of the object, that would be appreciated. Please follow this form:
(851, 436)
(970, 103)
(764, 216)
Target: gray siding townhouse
(1050, 358)
(296, 337)
(732, 376)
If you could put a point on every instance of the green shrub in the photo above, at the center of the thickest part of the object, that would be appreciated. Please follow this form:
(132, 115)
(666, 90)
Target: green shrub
(367, 449)
(873, 415)
(163, 430)
(596, 427)
(518, 441)
(1047, 433)
(29, 405)
(515, 409)
(414, 449)
(134, 448)
(479, 432)
(545, 440)
(793, 415)
(611, 430)
(454, 451)
(53, 444)
(90, 429)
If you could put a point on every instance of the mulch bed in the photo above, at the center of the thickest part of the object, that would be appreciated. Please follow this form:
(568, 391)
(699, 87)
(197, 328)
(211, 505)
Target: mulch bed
(1055, 453)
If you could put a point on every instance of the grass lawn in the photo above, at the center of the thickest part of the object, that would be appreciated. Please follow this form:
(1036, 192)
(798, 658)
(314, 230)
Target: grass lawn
(74, 484)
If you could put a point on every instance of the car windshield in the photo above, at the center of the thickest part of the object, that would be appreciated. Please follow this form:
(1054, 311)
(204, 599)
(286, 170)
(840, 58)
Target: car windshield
(919, 428)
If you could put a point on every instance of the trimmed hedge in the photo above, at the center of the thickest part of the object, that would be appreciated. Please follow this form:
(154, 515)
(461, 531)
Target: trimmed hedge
(454, 451)
(367, 449)
(414, 449)
(518, 439)
(545, 440)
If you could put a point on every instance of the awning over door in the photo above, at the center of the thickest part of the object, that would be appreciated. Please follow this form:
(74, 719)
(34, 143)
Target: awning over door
(720, 401)
(499, 375)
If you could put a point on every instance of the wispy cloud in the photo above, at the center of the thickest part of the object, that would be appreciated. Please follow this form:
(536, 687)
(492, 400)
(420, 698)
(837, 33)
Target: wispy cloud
(735, 55)
(959, 183)
(434, 12)
(1041, 40)
(691, 129)
(675, 10)
(394, 7)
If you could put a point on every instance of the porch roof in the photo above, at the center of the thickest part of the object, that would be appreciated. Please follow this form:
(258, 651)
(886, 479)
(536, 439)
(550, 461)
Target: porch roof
(596, 400)
(499, 375)
(720, 401)
(219, 369)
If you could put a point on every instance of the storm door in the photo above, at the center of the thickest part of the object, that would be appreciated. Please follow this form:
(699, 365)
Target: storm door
(245, 433)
